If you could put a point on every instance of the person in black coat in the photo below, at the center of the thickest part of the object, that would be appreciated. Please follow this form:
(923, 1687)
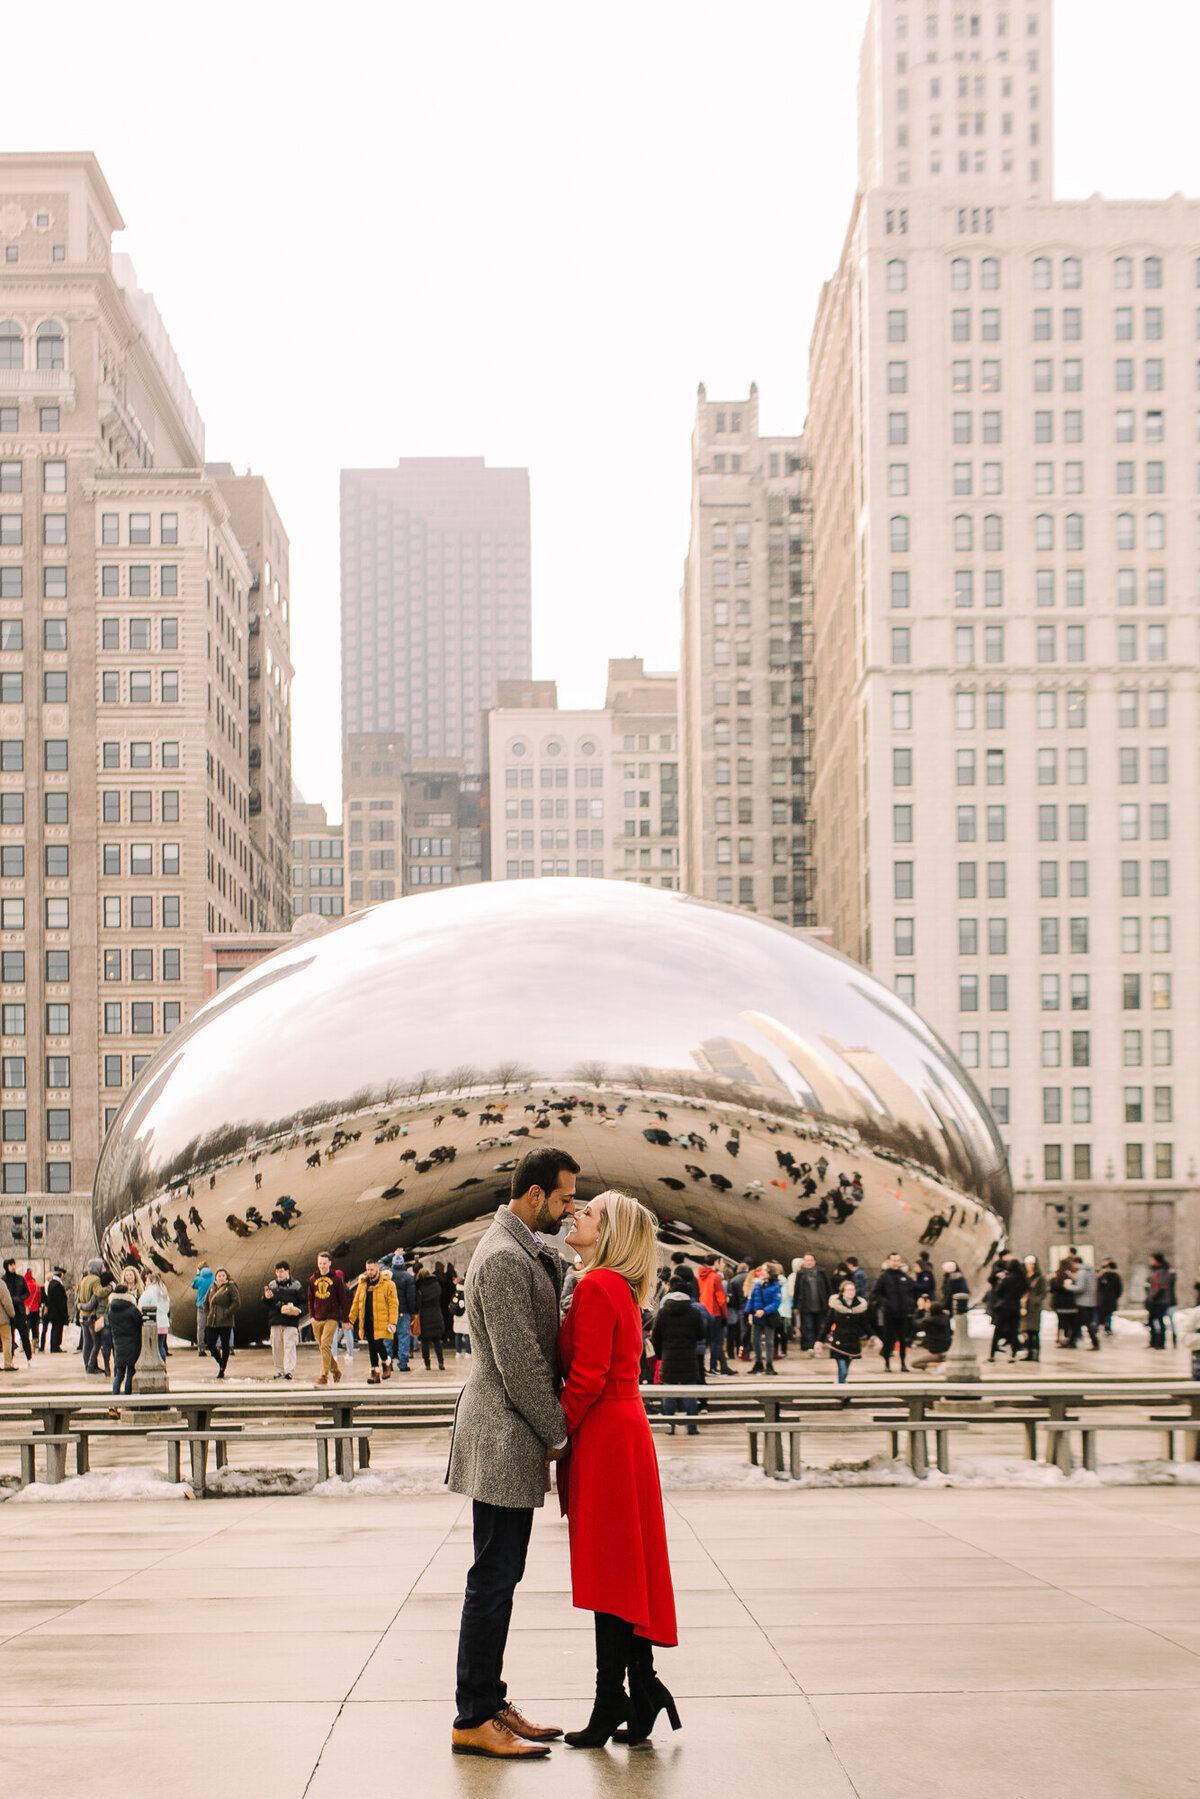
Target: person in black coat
(56, 1311)
(1109, 1288)
(847, 1322)
(894, 1302)
(433, 1318)
(933, 1331)
(125, 1323)
(1008, 1289)
(677, 1334)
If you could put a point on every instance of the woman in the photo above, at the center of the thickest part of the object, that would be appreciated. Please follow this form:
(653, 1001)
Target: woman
(677, 1333)
(612, 1498)
(846, 1326)
(433, 1318)
(762, 1309)
(1033, 1300)
(125, 1323)
(157, 1300)
(223, 1298)
(33, 1307)
(1062, 1302)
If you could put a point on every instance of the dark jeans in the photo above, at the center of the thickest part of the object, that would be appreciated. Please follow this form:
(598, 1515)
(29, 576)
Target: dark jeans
(220, 1343)
(123, 1372)
(669, 1404)
(402, 1342)
(716, 1342)
(428, 1343)
(501, 1543)
(810, 1324)
(21, 1330)
(1087, 1318)
(1157, 1318)
(89, 1344)
(377, 1349)
(893, 1334)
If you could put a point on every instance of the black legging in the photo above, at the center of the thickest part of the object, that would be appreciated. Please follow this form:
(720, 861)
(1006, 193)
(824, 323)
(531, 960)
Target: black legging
(428, 1343)
(220, 1342)
(377, 1348)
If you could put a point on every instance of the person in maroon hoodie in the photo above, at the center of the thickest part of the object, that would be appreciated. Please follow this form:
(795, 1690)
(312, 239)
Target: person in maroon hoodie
(328, 1307)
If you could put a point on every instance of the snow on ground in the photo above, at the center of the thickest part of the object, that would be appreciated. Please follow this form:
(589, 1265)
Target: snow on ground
(106, 1483)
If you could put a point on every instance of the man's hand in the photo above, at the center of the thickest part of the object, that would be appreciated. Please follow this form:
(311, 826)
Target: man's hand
(558, 1455)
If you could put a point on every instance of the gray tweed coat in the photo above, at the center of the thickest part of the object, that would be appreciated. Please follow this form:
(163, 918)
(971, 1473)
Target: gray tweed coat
(508, 1413)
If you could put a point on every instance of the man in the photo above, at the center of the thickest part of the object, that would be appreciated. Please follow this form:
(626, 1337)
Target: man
(1085, 1298)
(715, 1306)
(1160, 1297)
(91, 1302)
(56, 1311)
(409, 1306)
(1008, 1290)
(858, 1275)
(373, 1316)
(328, 1307)
(810, 1300)
(1109, 1288)
(19, 1294)
(285, 1304)
(508, 1427)
(894, 1308)
(7, 1315)
(738, 1332)
(202, 1280)
(682, 1267)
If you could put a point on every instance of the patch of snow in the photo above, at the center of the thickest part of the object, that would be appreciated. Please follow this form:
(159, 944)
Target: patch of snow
(103, 1483)
(370, 1485)
(258, 1483)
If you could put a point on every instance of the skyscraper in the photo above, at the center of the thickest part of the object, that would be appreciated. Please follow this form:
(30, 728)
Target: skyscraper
(125, 832)
(745, 681)
(435, 600)
(1004, 464)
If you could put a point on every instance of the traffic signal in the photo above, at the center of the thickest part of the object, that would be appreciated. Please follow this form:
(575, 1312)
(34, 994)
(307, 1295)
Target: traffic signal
(1083, 1216)
(1062, 1219)
(17, 1228)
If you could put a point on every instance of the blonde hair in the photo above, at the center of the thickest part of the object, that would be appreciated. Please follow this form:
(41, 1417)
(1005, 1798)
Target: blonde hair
(626, 1242)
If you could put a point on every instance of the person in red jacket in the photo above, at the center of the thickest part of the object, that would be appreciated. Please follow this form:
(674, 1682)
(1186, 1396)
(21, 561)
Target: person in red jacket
(715, 1304)
(328, 1307)
(613, 1501)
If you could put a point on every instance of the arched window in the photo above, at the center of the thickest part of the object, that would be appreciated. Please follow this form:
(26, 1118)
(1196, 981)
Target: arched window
(960, 274)
(12, 345)
(1126, 531)
(1073, 531)
(49, 344)
(1041, 271)
(1123, 272)
(993, 532)
(897, 275)
(898, 534)
(1156, 531)
(989, 273)
(1152, 271)
(964, 532)
(1072, 272)
(1043, 531)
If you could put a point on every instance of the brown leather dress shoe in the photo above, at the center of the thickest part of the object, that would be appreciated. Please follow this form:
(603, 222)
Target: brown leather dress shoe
(495, 1739)
(521, 1727)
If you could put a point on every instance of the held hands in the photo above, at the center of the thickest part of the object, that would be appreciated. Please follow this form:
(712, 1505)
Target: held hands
(558, 1455)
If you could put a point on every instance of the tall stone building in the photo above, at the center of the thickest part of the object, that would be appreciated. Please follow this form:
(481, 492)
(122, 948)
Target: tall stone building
(1003, 439)
(269, 675)
(644, 713)
(124, 608)
(435, 600)
(373, 817)
(443, 843)
(318, 879)
(745, 684)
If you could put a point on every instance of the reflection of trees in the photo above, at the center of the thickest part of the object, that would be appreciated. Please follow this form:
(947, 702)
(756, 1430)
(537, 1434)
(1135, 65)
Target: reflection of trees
(593, 1074)
(509, 1074)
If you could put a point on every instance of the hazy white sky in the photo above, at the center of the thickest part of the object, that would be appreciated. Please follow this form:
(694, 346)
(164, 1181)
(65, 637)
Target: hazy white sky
(522, 229)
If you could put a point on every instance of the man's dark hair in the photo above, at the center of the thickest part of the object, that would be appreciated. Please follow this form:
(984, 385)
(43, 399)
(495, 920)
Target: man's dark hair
(709, 1262)
(541, 1168)
(282, 1264)
(852, 1261)
(9, 1262)
(679, 1256)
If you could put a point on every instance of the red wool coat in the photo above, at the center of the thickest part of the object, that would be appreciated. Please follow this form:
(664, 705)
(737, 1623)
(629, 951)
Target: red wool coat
(613, 1500)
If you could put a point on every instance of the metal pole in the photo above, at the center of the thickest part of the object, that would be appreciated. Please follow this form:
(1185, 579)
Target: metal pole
(962, 1363)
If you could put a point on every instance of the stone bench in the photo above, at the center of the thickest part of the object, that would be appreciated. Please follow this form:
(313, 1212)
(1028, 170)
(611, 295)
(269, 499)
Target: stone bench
(198, 1441)
(56, 1446)
(915, 1429)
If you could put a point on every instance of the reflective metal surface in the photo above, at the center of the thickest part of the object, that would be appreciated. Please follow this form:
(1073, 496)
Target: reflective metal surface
(372, 1088)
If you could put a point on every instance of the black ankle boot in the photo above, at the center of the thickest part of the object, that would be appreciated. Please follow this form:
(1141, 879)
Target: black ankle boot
(611, 1706)
(647, 1696)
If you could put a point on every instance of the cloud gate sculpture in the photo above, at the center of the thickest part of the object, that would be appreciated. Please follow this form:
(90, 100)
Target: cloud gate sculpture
(373, 1088)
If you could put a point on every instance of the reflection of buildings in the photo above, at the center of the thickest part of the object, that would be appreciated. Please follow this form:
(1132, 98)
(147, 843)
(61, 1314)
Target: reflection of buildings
(734, 1061)
(832, 1096)
(745, 684)
(1004, 630)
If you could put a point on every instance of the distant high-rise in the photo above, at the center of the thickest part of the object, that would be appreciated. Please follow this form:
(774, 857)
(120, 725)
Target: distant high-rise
(435, 600)
(1004, 475)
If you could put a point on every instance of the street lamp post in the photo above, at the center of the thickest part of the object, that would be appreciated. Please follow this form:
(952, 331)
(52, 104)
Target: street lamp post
(962, 1363)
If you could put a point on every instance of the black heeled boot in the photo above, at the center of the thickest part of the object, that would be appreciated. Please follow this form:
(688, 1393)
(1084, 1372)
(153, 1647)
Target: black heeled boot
(611, 1707)
(647, 1696)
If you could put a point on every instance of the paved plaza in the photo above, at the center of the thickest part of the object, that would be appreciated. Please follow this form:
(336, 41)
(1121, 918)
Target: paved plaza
(881, 1644)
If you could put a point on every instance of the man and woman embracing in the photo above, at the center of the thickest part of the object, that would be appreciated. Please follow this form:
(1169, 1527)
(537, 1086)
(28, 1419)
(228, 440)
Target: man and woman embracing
(541, 1392)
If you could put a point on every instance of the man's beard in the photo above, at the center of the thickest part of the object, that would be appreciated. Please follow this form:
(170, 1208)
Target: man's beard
(546, 1223)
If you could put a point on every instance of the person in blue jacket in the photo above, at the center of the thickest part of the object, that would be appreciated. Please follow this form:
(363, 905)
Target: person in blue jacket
(201, 1282)
(762, 1310)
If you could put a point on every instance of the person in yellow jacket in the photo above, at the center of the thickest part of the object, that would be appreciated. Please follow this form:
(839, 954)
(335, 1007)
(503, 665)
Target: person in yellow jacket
(374, 1311)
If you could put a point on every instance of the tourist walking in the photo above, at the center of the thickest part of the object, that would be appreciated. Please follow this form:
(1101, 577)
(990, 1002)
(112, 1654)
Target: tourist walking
(762, 1307)
(810, 1300)
(202, 1280)
(1160, 1298)
(408, 1309)
(56, 1312)
(1085, 1298)
(507, 1426)
(285, 1307)
(431, 1315)
(125, 1323)
(1033, 1303)
(620, 1570)
(8, 1313)
(373, 1315)
(223, 1302)
(19, 1294)
(328, 1306)
(677, 1332)
(894, 1303)
(847, 1322)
